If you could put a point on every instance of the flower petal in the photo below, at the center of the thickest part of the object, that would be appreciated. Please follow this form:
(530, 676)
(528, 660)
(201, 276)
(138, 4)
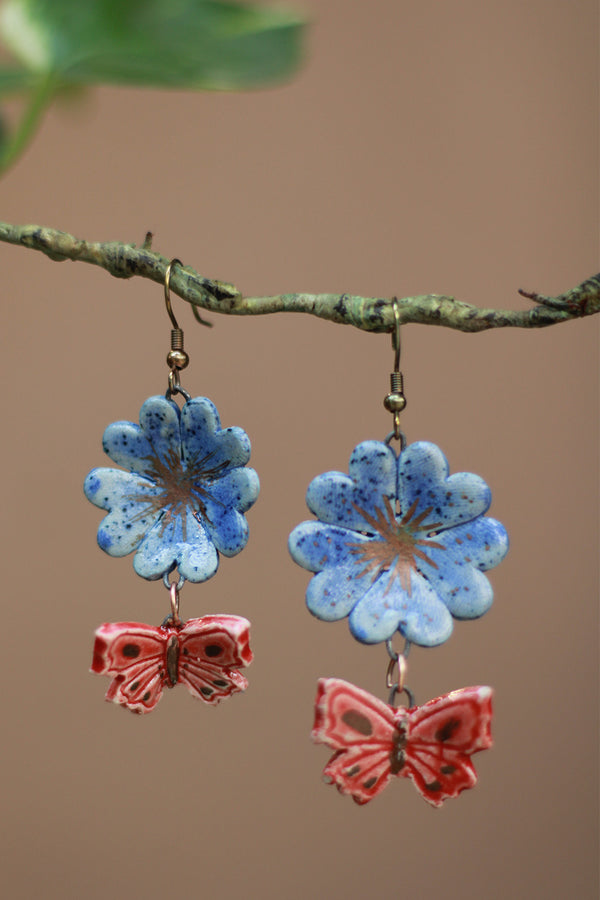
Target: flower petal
(315, 546)
(333, 496)
(423, 480)
(333, 593)
(137, 448)
(227, 528)
(238, 488)
(203, 438)
(166, 545)
(197, 558)
(128, 446)
(484, 542)
(131, 515)
(421, 617)
(469, 550)
(159, 419)
(224, 504)
(466, 592)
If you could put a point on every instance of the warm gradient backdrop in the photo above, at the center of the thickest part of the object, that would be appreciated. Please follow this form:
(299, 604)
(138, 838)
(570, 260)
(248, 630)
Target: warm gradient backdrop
(435, 146)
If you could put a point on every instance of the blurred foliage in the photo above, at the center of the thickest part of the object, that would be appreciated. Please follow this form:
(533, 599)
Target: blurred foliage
(182, 44)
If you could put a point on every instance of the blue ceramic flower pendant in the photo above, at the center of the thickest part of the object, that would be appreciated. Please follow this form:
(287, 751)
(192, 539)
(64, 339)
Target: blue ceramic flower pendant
(399, 545)
(181, 496)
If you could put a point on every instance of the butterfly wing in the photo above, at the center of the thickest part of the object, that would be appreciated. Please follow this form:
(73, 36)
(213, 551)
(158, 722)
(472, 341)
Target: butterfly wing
(442, 735)
(361, 729)
(135, 655)
(211, 650)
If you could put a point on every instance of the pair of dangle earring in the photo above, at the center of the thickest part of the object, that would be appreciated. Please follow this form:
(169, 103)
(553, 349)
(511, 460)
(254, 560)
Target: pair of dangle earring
(399, 546)
(178, 502)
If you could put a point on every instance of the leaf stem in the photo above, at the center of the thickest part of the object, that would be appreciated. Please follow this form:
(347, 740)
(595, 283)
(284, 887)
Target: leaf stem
(39, 99)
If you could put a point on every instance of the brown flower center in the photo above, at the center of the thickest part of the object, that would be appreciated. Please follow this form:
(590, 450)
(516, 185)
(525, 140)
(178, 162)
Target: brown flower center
(397, 549)
(183, 488)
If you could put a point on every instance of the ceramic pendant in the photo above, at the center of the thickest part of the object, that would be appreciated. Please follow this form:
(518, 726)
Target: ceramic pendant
(203, 654)
(399, 545)
(182, 499)
(430, 744)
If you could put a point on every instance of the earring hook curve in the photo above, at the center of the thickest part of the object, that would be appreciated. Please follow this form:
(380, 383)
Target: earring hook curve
(197, 316)
(174, 262)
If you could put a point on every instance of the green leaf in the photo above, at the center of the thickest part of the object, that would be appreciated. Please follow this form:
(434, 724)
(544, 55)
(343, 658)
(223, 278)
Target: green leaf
(198, 44)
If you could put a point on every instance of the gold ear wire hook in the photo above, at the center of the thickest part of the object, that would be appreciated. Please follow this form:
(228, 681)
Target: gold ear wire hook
(395, 401)
(177, 358)
(197, 316)
(174, 262)
(396, 335)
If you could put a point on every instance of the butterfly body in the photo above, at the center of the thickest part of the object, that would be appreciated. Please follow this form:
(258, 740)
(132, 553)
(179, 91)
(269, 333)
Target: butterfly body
(398, 754)
(429, 744)
(203, 654)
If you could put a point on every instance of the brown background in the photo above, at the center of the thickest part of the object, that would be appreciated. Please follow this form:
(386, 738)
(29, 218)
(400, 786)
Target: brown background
(431, 146)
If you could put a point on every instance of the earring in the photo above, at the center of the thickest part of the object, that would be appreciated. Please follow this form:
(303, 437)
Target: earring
(399, 545)
(178, 501)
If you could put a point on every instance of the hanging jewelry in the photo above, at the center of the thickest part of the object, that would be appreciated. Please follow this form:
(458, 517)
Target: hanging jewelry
(178, 502)
(399, 545)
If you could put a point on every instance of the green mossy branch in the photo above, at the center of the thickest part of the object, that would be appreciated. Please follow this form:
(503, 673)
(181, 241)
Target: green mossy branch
(367, 313)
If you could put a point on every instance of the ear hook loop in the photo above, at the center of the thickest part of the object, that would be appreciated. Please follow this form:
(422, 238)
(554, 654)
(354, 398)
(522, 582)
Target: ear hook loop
(174, 262)
(395, 401)
(177, 358)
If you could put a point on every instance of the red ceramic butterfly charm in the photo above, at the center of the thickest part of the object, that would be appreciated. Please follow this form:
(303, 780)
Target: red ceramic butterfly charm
(204, 654)
(430, 744)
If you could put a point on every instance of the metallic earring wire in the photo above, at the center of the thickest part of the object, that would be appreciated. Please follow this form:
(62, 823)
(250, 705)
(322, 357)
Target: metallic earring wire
(395, 401)
(174, 262)
(177, 358)
(177, 262)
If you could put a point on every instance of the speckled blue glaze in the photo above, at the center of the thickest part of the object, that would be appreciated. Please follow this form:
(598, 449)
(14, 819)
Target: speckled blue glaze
(182, 499)
(399, 545)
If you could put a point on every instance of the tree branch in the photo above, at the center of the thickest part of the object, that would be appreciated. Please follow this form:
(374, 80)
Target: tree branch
(367, 313)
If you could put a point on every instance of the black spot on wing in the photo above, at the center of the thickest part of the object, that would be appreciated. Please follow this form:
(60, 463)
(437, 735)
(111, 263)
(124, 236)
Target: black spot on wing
(447, 730)
(131, 650)
(355, 720)
(434, 787)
